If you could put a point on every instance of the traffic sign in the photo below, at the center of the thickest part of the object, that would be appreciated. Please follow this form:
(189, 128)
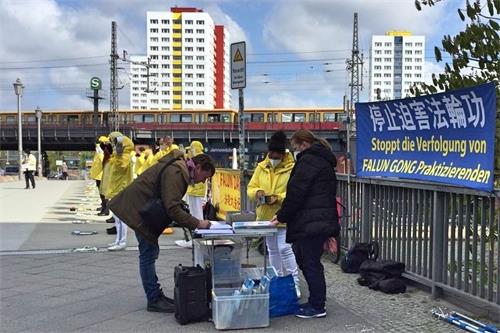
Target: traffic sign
(238, 65)
(95, 83)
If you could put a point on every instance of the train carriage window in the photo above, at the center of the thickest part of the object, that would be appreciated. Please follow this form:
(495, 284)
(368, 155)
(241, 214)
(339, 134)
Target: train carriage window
(72, 120)
(299, 117)
(329, 116)
(314, 117)
(10, 120)
(31, 119)
(149, 118)
(257, 117)
(226, 118)
(199, 118)
(286, 117)
(163, 118)
(175, 118)
(186, 118)
(137, 118)
(270, 118)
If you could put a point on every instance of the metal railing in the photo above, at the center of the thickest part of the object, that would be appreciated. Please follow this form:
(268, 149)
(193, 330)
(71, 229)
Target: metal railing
(447, 236)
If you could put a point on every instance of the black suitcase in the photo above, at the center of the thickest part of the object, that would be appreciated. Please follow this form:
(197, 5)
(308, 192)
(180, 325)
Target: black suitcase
(191, 294)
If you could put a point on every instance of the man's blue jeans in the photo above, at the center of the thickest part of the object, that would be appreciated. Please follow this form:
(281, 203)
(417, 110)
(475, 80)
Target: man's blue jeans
(148, 253)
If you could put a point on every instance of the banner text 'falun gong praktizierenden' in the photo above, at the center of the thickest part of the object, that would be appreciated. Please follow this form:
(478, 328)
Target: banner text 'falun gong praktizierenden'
(447, 137)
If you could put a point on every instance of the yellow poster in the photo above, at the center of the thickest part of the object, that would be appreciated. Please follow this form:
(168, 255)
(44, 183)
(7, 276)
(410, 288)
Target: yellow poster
(226, 191)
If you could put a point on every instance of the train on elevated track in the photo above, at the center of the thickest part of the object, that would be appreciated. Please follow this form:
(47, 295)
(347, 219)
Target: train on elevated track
(255, 118)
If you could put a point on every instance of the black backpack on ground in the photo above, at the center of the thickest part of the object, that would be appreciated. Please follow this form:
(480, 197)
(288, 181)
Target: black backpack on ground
(191, 294)
(384, 275)
(357, 254)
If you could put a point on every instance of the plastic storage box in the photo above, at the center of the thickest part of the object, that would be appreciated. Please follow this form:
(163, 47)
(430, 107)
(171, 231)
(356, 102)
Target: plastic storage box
(241, 311)
(227, 259)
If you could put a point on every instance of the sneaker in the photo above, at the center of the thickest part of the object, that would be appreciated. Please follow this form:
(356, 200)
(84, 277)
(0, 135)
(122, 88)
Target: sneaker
(111, 244)
(185, 244)
(111, 231)
(304, 305)
(110, 220)
(117, 247)
(103, 213)
(161, 305)
(310, 312)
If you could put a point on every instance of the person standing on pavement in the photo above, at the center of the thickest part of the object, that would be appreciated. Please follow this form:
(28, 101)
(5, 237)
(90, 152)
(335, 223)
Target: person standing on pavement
(310, 213)
(96, 169)
(195, 194)
(268, 187)
(64, 170)
(121, 174)
(29, 166)
(172, 183)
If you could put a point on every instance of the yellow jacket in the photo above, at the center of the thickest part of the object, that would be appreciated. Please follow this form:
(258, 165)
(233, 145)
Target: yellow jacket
(141, 163)
(96, 169)
(121, 169)
(152, 160)
(197, 190)
(272, 182)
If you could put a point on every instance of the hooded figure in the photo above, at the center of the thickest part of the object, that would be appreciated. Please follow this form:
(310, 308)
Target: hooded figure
(268, 187)
(97, 168)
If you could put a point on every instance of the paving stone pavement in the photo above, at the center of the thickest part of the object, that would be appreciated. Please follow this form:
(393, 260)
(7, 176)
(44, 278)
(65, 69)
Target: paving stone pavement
(46, 288)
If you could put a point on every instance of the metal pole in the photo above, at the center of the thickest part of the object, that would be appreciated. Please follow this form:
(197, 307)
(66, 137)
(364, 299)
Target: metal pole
(348, 125)
(20, 135)
(39, 147)
(241, 139)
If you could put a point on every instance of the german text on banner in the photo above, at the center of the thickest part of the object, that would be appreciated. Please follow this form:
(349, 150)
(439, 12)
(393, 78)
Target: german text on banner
(447, 137)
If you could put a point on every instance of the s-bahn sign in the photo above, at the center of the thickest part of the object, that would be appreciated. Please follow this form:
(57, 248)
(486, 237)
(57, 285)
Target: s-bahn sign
(95, 83)
(238, 65)
(447, 137)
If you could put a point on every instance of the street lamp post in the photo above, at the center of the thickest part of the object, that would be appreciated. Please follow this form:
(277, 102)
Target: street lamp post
(38, 112)
(18, 89)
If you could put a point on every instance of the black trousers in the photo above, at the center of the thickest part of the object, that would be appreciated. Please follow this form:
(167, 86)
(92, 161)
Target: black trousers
(28, 176)
(308, 253)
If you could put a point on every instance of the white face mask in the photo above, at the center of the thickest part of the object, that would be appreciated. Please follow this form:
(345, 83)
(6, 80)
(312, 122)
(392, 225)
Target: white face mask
(98, 150)
(295, 153)
(274, 162)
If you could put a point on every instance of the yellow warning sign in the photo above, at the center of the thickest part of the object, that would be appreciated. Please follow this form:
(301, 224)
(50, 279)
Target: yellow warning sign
(237, 56)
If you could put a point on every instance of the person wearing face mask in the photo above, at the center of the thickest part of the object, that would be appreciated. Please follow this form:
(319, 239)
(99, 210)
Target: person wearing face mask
(268, 187)
(310, 213)
(171, 177)
(120, 176)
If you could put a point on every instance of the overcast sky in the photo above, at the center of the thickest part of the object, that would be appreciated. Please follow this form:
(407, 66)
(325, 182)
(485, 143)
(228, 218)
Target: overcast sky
(296, 49)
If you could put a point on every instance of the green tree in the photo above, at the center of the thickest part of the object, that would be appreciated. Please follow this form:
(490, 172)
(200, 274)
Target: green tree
(474, 55)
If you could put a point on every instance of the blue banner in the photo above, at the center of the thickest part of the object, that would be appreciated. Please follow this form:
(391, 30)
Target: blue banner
(447, 137)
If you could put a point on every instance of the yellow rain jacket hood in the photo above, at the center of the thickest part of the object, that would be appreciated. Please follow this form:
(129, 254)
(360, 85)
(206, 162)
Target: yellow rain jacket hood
(272, 181)
(196, 190)
(121, 168)
(96, 169)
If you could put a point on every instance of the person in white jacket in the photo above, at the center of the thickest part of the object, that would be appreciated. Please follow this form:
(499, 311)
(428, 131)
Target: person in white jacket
(29, 167)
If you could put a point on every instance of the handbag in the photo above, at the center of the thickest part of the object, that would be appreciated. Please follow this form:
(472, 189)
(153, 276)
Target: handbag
(283, 299)
(154, 214)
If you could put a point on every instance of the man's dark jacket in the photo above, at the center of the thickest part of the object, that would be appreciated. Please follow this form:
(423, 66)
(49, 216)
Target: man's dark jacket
(310, 206)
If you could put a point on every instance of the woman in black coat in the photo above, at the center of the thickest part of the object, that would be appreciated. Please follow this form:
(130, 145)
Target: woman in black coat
(310, 212)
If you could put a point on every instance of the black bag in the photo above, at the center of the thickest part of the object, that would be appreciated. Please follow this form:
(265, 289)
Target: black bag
(210, 211)
(385, 275)
(357, 254)
(192, 287)
(153, 213)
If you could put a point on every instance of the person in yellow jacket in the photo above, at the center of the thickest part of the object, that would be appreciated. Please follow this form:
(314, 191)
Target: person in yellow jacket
(167, 145)
(268, 188)
(121, 174)
(97, 166)
(195, 193)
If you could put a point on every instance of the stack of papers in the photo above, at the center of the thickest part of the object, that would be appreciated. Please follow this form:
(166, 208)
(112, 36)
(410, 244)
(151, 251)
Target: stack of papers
(253, 225)
(217, 228)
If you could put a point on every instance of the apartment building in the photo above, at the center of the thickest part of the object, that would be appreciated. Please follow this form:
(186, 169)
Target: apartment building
(396, 63)
(186, 66)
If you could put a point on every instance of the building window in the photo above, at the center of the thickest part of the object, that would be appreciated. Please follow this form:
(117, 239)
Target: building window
(188, 84)
(200, 66)
(153, 30)
(189, 57)
(408, 44)
(200, 102)
(387, 59)
(200, 49)
(388, 52)
(188, 31)
(165, 48)
(188, 49)
(387, 67)
(378, 59)
(377, 75)
(165, 31)
(188, 101)
(408, 59)
(408, 52)
(200, 22)
(154, 48)
(377, 67)
(419, 44)
(200, 40)
(418, 51)
(165, 22)
(378, 44)
(388, 44)
(189, 75)
(200, 84)
(387, 74)
(200, 93)
(378, 51)
(200, 75)
(188, 22)
(200, 31)
(200, 58)
(188, 40)
(153, 21)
